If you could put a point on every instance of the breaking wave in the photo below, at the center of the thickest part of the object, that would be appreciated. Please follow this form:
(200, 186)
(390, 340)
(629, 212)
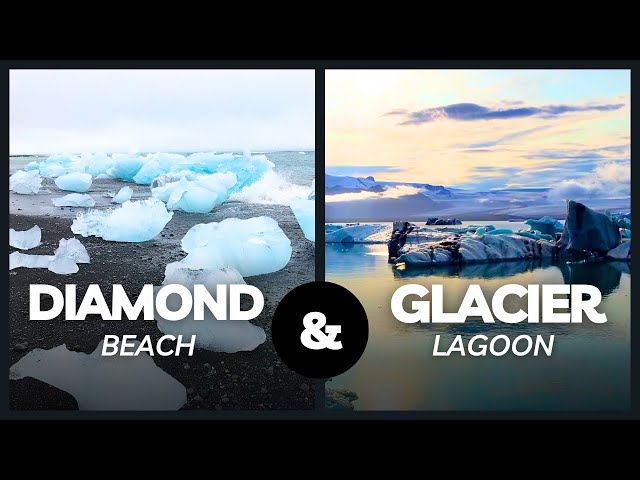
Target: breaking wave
(271, 189)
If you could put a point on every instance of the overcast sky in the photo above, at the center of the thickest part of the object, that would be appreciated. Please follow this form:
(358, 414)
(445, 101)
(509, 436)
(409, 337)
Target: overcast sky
(72, 111)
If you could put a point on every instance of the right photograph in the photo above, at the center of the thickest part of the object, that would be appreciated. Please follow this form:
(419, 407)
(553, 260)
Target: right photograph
(483, 220)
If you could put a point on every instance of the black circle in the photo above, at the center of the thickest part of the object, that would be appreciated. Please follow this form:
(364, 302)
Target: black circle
(340, 307)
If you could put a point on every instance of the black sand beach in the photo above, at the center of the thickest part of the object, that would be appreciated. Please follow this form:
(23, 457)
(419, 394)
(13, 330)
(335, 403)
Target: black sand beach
(254, 380)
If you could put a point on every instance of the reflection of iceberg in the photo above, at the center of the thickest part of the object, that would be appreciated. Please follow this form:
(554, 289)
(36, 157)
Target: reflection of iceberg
(605, 276)
(103, 383)
(476, 270)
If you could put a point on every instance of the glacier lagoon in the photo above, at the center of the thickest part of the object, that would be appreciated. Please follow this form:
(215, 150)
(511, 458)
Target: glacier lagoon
(585, 371)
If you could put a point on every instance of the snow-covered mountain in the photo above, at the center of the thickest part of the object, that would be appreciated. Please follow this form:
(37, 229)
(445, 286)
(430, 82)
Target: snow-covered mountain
(344, 184)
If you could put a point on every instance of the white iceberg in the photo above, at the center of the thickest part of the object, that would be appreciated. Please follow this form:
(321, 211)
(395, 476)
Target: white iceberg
(74, 200)
(18, 259)
(64, 262)
(26, 239)
(25, 183)
(136, 221)
(103, 383)
(227, 336)
(63, 265)
(73, 249)
(123, 195)
(253, 247)
(74, 182)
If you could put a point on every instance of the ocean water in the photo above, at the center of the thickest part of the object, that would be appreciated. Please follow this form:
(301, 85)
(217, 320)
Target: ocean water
(588, 369)
(294, 167)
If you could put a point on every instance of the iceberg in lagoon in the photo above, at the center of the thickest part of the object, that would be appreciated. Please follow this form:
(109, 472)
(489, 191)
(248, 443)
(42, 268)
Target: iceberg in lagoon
(227, 336)
(103, 383)
(253, 247)
(25, 183)
(74, 182)
(136, 221)
(26, 239)
(74, 200)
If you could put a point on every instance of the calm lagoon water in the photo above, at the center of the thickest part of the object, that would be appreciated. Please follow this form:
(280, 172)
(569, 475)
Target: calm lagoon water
(588, 369)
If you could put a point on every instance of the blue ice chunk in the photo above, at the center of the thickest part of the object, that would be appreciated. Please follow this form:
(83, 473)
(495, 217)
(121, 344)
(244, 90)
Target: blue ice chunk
(31, 166)
(96, 163)
(156, 164)
(123, 195)
(253, 246)
(304, 210)
(74, 182)
(201, 194)
(247, 168)
(545, 225)
(126, 166)
(625, 232)
(132, 222)
(481, 231)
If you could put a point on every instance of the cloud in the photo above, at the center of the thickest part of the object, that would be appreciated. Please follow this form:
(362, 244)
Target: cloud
(361, 170)
(472, 111)
(391, 192)
(579, 153)
(608, 181)
(508, 137)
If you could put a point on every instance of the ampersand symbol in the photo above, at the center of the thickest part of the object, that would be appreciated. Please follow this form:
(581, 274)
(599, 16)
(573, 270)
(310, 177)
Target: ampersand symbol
(317, 335)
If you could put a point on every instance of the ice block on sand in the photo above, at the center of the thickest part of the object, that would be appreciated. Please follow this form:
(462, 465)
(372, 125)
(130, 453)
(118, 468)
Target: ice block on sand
(123, 195)
(103, 383)
(136, 221)
(74, 182)
(25, 183)
(25, 239)
(74, 200)
(305, 211)
(228, 336)
(253, 247)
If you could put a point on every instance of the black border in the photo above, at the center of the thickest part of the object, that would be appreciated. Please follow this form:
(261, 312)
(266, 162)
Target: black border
(320, 66)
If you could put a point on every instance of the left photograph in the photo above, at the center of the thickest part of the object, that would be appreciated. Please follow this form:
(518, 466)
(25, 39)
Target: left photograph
(157, 218)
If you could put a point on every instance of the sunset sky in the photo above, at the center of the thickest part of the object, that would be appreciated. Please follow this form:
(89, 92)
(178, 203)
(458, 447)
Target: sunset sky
(480, 129)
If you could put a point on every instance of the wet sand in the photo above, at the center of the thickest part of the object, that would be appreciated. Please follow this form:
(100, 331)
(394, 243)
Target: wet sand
(255, 380)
